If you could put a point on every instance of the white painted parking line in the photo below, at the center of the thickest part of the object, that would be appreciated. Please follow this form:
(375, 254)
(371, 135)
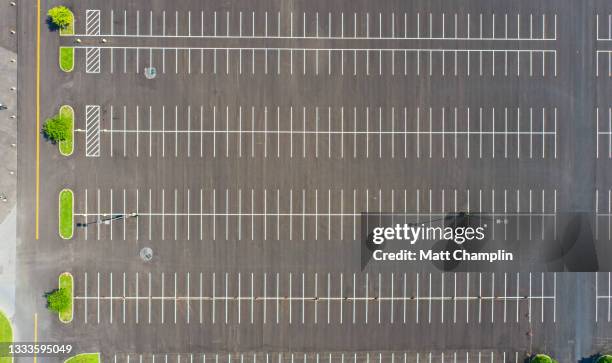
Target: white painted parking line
(514, 129)
(603, 297)
(603, 132)
(86, 217)
(604, 37)
(328, 295)
(163, 281)
(603, 214)
(538, 216)
(388, 24)
(124, 128)
(86, 301)
(175, 297)
(124, 213)
(463, 355)
(385, 23)
(110, 293)
(137, 133)
(361, 59)
(99, 211)
(137, 302)
(149, 294)
(606, 55)
(123, 301)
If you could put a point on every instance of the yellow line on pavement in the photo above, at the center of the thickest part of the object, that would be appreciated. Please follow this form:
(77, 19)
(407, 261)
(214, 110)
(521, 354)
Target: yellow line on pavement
(37, 118)
(35, 332)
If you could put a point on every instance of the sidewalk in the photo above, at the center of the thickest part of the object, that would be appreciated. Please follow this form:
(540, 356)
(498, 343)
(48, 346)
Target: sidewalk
(7, 263)
(8, 160)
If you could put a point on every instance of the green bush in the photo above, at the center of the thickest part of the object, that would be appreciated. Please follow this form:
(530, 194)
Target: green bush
(57, 128)
(605, 359)
(542, 358)
(58, 300)
(60, 16)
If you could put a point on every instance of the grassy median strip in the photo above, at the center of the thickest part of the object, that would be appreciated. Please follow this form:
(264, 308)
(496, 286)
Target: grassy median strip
(84, 358)
(6, 335)
(65, 282)
(66, 213)
(66, 147)
(66, 59)
(66, 54)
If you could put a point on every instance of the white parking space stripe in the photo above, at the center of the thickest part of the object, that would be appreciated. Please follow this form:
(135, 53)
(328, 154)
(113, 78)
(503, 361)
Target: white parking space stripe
(604, 132)
(86, 217)
(86, 301)
(539, 29)
(540, 60)
(541, 33)
(533, 130)
(603, 37)
(603, 215)
(538, 217)
(110, 303)
(462, 356)
(603, 297)
(123, 301)
(329, 294)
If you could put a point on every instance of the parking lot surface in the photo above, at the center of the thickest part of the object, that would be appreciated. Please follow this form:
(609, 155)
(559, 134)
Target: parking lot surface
(242, 143)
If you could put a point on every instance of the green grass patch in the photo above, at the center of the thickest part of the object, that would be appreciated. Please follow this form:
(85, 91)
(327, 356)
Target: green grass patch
(69, 30)
(66, 213)
(66, 58)
(65, 282)
(84, 358)
(66, 147)
(6, 335)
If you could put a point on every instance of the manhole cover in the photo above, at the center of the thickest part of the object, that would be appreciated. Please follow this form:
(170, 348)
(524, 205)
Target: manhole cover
(150, 72)
(146, 254)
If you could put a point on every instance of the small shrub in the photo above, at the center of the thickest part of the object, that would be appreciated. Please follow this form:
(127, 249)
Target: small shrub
(542, 358)
(58, 300)
(605, 359)
(60, 16)
(57, 128)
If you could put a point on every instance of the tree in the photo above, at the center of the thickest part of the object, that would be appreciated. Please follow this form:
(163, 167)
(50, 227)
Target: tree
(57, 128)
(58, 300)
(60, 16)
(542, 358)
(605, 359)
